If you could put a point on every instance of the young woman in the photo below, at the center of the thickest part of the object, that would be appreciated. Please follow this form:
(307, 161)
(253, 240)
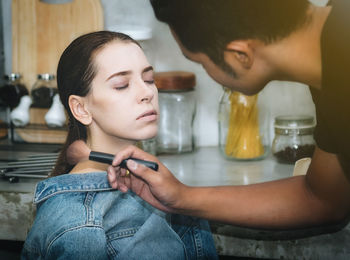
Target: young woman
(106, 86)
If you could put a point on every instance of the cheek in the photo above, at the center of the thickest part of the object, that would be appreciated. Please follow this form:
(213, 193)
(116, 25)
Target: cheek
(109, 108)
(155, 102)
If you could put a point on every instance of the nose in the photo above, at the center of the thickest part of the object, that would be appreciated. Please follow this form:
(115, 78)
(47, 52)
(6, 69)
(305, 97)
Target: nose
(146, 92)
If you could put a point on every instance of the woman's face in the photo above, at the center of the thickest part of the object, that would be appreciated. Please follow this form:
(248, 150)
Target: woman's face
(123, 100)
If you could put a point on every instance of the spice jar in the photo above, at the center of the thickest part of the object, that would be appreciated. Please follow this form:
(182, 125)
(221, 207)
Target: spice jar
(293, 138)
(43, 91)
(12, 91)
(177, 107)
(243, 128)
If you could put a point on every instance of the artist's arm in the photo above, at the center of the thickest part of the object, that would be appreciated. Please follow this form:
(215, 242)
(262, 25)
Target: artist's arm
(320, 197)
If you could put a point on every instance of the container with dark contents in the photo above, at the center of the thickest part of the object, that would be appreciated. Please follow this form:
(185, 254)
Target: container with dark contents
(43, 91)
(293, 138)
(12, 91)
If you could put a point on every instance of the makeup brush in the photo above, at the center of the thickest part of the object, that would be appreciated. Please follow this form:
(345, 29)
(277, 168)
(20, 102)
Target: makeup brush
(79, 151)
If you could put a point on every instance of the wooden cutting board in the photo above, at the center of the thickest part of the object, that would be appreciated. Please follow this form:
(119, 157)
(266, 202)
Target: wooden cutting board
(41, 31)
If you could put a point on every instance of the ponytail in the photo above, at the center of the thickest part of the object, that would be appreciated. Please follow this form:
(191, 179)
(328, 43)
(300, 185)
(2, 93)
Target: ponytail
(76, 131)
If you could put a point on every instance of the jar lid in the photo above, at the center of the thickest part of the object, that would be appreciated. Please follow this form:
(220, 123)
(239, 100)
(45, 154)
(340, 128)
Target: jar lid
(13, 76)
(294, 122)
(175, 80)
(46, 76)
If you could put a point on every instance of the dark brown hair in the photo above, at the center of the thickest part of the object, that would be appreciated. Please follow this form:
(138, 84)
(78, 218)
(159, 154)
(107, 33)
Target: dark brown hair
(75, 72)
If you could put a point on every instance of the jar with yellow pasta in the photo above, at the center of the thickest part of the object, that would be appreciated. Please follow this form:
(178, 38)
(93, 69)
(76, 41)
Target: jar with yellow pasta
(243, 127)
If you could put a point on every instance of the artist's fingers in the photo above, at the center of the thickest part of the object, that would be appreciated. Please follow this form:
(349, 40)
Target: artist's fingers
(115, 179)
(141, 171)
(112, 177)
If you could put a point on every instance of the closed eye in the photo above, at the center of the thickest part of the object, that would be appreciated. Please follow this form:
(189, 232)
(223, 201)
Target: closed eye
(122, 87)
(149, 81)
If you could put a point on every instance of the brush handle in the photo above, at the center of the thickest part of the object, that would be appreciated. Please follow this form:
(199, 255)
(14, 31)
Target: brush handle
(101, 157)
(108, 158)
(149, 164)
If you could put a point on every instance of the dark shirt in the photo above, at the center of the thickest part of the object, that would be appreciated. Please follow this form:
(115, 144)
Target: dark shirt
(332, 133)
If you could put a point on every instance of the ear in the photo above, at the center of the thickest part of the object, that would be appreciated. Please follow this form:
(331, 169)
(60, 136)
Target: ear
(241, 52)
(79, 109)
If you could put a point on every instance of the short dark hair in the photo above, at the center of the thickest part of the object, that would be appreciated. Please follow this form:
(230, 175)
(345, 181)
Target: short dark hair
(207, 26)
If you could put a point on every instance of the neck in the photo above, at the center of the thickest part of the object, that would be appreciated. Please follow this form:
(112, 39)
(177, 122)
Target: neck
(97, 145)
(89, 166)
(108, 145)
(298, 56)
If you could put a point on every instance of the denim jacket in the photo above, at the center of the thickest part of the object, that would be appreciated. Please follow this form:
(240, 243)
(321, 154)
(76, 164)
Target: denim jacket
(79, 216)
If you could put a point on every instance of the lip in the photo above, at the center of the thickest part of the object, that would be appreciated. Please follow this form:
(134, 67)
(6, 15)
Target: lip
(149, 115)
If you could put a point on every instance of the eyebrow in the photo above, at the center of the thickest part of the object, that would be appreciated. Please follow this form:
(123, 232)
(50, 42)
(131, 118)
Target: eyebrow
(128, 72)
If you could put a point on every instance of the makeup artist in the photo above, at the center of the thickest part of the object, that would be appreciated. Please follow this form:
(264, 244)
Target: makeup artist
(243, 45)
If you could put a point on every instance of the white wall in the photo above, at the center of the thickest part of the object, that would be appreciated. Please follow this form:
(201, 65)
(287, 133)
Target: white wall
(278, 97)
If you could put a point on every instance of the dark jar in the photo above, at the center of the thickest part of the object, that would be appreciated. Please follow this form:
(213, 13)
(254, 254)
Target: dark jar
(43, 91)
(12, 91)
(293, 138)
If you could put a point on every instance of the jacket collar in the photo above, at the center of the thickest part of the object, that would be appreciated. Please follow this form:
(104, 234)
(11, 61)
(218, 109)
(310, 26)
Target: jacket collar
(95, 181)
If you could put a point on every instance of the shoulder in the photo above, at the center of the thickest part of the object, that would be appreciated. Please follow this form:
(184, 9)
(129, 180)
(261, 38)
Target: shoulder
(55, 216)
(66, 234)
(75, 242)
(85, 242)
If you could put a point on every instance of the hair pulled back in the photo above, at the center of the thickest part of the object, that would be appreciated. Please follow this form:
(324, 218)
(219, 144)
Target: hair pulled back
(75, 72)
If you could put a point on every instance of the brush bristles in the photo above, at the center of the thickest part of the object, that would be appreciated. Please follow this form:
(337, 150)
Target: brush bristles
(78, 151)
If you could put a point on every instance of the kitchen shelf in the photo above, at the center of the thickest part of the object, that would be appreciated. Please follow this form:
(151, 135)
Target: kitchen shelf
(38, 133)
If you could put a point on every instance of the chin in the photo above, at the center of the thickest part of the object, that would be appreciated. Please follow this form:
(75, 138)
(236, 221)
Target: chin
(149, 135)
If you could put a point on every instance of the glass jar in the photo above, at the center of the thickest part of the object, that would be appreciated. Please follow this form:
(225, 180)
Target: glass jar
(243, 128)
(43, 90)
(149, 145)
(12, 91)
(293, 138)
(177, 106)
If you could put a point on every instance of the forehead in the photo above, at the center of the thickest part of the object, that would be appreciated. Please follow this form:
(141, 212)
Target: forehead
(120, 55)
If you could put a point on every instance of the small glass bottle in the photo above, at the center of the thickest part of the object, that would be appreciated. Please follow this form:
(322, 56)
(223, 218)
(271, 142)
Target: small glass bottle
(293, 138)
(243, 128)
(177, 107)
(12, 91)
(43, 90)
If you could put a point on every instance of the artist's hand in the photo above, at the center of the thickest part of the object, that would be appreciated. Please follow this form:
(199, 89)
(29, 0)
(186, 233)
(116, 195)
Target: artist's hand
(159, 188)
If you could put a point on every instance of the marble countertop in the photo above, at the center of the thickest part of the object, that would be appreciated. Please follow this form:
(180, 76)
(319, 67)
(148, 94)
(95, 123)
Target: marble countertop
(207, 167)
